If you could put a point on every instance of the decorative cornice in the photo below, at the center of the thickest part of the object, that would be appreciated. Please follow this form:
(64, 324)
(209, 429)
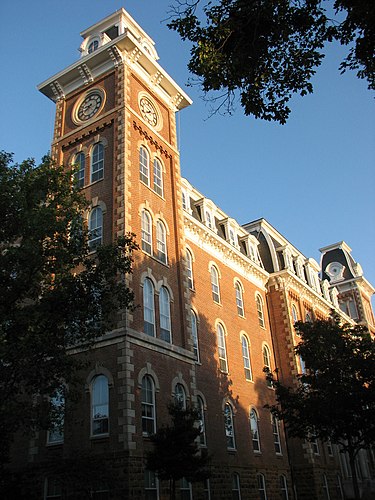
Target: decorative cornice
(218, 248)
(57, 90)
(115, 55)
(87, 133)
(151, 140)
(85, 73)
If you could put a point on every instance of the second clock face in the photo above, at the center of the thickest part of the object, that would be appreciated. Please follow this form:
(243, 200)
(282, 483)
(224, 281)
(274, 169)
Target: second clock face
(148, 111)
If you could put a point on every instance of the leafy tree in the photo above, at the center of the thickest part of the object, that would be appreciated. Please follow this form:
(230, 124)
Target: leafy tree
(268, 50)
(335, 399)
(55, 294)
(176, 453)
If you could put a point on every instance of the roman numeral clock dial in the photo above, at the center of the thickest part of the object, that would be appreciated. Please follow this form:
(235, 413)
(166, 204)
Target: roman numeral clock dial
(148, 111)
(88, 106)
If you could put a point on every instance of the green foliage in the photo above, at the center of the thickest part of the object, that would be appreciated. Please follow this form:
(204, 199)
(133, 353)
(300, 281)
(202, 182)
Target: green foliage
(176, 453)
(335, 398)
(268, 50)
(55, 294)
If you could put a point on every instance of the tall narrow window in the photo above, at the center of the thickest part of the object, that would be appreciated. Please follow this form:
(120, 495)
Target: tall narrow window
(158, 177)
(284, 488)
(95, 228)
(276, 434)
(55, 434)
(180, 396)
(52, 489)
(239, 300)
(229, 426)
(189, 269)
(254, 428)
(151, 485)
(246, 358)
(100, 406)
(194, 334)
(148, 307)
(261, 487)
(206, 489)
(202, 423)
(315, 446)
(165, 314)
(146, 232)
(267, 362)
(294, 314)
(80, 174)
(215, 284)
(236, 487)
(144, 168)
(148, 406)
(222, 351)
(161, 242)
(184, 200)
(208, 219)
(302, 365)
(97, 163)
(259, 305)
(308, 318)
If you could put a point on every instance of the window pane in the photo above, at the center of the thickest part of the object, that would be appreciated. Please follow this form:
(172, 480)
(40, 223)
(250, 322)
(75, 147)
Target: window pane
(95, 228)
(158, 177)
(80, 174)
(146, 232)
(284, 488)
(100, 405)
(246, 358)
(239, 300)
(56, 433)
(189, 268)
(254, 430)
(202, 425)
(180, 396)
(97, 163)
(259, 304)
(194, 334)
(165, 315)
(144, 165)
(229, 427)
(215, 284)
(148, 307)
(161, 242)
(261, 487)
(276, 434)
(222, 349)
(148, 405)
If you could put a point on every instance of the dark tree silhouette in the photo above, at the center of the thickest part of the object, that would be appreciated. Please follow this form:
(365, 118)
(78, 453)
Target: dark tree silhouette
(335, 398)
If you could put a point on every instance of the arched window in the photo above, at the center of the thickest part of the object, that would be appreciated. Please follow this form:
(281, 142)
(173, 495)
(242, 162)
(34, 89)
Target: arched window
(208, 219)
(276, 434)
(308, 318)
(194, 334)
(259, 304)
(239, 300)
(148, 307)
(180, 396)
(100, 406)
(261, 487)
(202, 423)
(189, 269)
(93, 46)
(161, 242)
(158, 177)
(184, 201)
(144, 165)
(148, 406)
(246, 358)
(222, 351)
(236, 487)
(146, 234)
(95, 228)
(185, 490)
(284, 488)
(229, 426)
(97, 162)
(165, 314)
(302, 365)
(254, 428)
(55, 434)
(267, 361)
(215, 284)
(80, 164)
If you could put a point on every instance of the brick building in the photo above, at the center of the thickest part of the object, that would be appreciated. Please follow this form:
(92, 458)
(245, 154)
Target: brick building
(217, 300)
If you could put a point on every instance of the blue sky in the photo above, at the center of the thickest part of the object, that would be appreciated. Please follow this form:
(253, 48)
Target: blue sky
(313, 179)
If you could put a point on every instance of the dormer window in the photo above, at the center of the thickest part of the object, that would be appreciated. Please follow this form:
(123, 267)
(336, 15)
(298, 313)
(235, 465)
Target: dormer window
(232, 239)
(94, 45)
(208, 218)
(299, 267)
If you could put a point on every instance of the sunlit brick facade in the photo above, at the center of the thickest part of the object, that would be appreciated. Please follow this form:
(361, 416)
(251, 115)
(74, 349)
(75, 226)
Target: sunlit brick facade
(216, 301)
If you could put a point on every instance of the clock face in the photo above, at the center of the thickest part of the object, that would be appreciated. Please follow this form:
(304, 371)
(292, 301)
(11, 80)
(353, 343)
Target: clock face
(89, 106)
(148, 111)
(335, 270)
